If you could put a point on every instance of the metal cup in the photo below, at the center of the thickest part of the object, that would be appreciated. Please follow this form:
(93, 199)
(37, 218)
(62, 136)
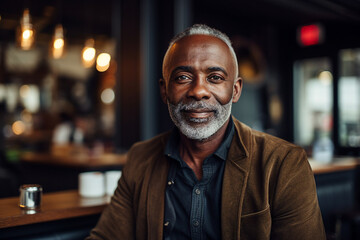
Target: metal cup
(30, 196)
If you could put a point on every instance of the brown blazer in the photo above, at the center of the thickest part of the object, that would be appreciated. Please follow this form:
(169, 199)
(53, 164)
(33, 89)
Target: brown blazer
(268, 192)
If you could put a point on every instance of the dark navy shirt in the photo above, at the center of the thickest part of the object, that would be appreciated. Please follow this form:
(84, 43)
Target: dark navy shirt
(193, 207)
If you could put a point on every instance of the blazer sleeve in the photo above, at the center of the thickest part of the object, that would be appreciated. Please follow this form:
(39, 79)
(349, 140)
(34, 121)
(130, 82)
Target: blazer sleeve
(117, 220)
(295, 209)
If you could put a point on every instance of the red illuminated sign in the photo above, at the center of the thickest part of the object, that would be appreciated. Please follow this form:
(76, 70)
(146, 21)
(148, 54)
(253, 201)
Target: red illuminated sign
(310, 35)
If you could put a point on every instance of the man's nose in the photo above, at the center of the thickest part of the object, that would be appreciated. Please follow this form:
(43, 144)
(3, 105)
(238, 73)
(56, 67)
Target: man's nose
(199, 89)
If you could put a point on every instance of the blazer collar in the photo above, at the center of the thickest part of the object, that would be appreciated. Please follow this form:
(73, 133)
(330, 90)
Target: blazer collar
(156, 194)
(235, 181)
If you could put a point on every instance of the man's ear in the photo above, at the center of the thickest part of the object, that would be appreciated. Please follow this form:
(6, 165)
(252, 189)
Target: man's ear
(237, 89)
(162, 86)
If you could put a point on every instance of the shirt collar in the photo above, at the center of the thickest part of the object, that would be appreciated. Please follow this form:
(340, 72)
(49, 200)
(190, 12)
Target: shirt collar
(172, 150)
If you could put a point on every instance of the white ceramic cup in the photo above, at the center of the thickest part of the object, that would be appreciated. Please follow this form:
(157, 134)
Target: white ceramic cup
(91, 184)
(111, 181)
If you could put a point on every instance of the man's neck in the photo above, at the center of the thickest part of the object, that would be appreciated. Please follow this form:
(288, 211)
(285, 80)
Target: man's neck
(194, 152)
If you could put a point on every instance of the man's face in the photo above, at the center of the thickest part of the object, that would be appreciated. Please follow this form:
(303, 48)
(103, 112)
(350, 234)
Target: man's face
(200, 84)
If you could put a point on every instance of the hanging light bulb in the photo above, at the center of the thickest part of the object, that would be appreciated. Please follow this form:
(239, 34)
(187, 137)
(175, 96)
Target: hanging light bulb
(88, 53)
(58, 43)
(103, 62)
(26, 32)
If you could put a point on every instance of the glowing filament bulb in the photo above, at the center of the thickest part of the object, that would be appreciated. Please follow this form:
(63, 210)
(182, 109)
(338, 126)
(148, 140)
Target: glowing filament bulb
(88, 53)
(58, 42)
(103, 62)
(26, 32)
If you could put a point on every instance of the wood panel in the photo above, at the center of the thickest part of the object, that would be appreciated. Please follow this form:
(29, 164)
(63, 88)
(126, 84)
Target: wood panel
(55, 206)
(337, 165)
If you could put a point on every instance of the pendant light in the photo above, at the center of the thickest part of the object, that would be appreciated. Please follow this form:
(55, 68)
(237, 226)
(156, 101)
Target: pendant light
(58, 43)
(26, 32)
(103, 62)
(88, 53)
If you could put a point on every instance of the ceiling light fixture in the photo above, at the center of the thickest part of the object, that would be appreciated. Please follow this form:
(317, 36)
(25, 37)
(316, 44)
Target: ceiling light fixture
(103, 62)
(58, 43)
(88, 53)
(26, 32)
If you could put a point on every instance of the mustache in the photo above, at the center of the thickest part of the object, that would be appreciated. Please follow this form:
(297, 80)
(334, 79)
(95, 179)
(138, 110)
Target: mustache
(197, 105)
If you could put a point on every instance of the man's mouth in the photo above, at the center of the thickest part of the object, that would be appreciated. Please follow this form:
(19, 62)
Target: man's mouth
(198, 113)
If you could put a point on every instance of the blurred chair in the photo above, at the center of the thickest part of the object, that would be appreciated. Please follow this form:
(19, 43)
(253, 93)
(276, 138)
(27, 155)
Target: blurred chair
(337, 195)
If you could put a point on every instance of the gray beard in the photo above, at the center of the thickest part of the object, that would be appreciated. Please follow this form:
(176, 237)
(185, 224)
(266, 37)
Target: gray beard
(207, 127)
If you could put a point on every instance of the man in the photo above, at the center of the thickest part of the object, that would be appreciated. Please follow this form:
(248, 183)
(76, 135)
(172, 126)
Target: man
(212, 177)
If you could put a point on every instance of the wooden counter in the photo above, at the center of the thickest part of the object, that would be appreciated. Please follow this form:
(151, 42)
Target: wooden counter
(68, 204)
(55, 206)
(338, 164)
(75, 160)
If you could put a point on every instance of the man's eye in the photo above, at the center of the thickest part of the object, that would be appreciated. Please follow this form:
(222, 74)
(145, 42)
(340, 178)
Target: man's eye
(182, 78)
(215, 78)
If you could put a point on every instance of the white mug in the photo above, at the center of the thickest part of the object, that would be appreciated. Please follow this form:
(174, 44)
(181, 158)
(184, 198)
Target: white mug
(111, 181)
(91, 184)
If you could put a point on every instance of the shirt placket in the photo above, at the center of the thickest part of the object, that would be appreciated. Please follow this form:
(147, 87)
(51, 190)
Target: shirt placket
(196, 212)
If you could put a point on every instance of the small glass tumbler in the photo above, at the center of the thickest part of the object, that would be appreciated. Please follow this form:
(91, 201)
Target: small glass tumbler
(30, 196)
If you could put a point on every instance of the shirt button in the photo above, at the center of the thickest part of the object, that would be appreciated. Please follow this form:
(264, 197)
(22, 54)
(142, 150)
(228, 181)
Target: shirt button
(196, 223)
(197, 191)
(166, 224)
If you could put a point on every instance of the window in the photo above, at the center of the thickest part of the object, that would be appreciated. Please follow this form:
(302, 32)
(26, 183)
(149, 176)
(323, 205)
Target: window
(313, 100)
(349, 98)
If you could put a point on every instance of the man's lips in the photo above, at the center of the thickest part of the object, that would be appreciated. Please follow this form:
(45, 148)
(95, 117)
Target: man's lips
(198, 113)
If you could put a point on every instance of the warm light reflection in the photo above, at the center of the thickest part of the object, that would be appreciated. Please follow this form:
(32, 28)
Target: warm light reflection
(107, 96)
(26, 32)
(18, 127)
(58, 42)
(103, 62)
(24, 91)
(88, 53)
(325, 77)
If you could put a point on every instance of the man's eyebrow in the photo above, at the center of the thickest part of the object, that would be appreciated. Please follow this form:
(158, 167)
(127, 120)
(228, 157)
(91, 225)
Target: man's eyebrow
(214, 69)
(182, 68)
(191, 69)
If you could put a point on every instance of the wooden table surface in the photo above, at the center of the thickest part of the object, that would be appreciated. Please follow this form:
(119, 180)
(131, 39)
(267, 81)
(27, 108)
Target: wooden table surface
(69, 204)
(55, 206)
(338, 164)
(75, 160)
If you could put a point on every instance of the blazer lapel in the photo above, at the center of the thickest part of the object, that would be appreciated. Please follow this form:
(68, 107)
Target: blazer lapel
(156, 195)
(234, 185)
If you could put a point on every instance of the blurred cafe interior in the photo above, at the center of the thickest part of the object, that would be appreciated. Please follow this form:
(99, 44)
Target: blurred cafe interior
(79, 86)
